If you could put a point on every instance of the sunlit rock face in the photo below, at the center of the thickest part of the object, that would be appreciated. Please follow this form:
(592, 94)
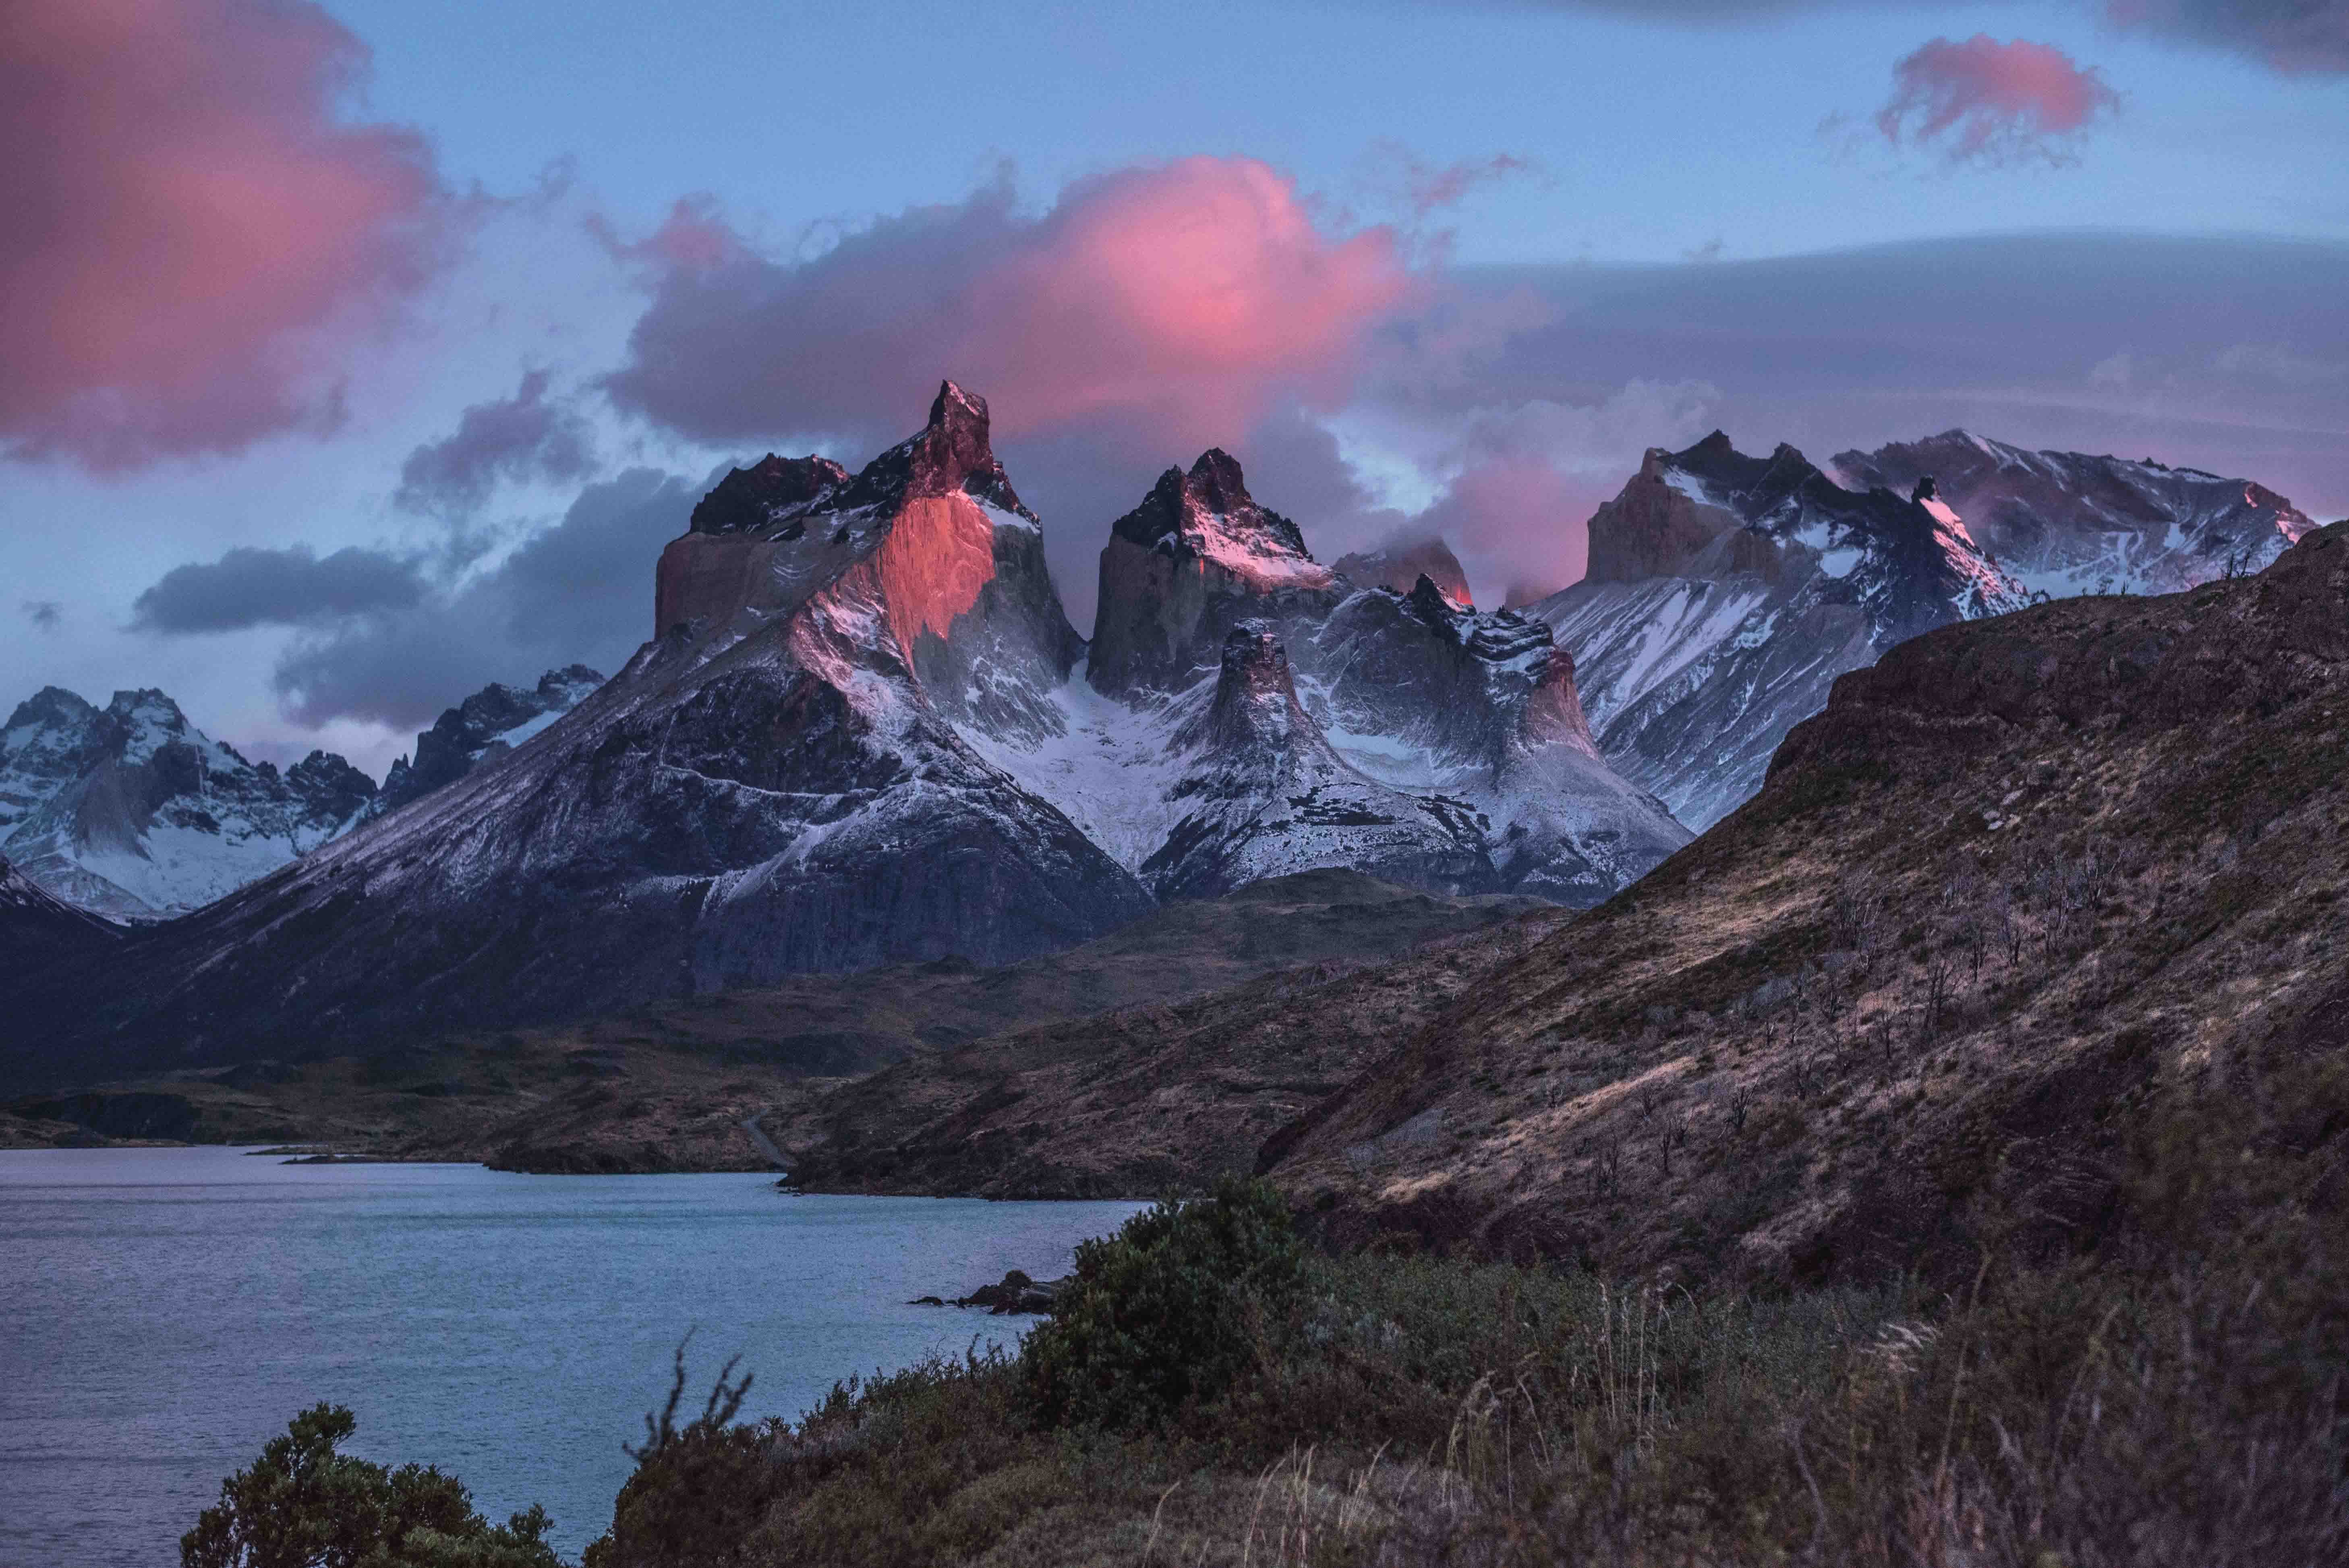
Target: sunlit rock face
(1726, 592)
(132, 812)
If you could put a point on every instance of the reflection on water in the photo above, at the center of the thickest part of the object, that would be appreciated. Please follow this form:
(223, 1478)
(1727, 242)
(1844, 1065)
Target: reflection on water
(167, 1310)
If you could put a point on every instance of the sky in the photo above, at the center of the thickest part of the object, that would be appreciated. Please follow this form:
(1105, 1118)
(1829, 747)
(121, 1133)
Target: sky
(356, 355)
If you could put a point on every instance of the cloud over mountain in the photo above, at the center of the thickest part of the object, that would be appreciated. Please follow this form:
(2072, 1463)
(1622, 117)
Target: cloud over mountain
(1192, 295)
(193, 232)
(577, 592)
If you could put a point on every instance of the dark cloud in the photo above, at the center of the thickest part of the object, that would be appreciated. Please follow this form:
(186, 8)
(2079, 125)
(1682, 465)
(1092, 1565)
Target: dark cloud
(193, 236)
(46, 614)
(525, 437)
(2294, 36)
(1983, 101)
(291, 587)
(580, 590)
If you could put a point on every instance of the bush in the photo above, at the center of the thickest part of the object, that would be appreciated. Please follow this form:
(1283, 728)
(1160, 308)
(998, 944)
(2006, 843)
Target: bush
(1167, 1312)
(303, 1505)
(698, 1489)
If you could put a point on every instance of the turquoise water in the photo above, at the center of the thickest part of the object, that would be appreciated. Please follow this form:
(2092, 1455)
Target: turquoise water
(163, 1311)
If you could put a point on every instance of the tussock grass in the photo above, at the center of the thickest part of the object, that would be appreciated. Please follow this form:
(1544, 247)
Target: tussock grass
(1402, 1410)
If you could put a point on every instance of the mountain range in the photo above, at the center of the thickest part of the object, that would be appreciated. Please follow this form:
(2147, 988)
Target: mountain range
(865, 732)
(1726, 592)
(130, 812)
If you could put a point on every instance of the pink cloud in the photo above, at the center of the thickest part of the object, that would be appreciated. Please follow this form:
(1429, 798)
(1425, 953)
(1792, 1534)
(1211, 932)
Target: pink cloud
(1190, 297)
(1518, 523)
(189, 225)
(1998, 103)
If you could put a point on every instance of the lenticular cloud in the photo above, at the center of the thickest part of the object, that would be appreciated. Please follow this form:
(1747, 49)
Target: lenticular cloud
(190, 226)
(1194, 294)
(1981, 100)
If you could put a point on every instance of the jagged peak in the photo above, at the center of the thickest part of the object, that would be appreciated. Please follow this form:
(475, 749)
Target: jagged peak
(951, 453)
(1208, 512)
(1255, 693)
(768, 491)
(1431, 604)
(53, 704)
(1215, 479)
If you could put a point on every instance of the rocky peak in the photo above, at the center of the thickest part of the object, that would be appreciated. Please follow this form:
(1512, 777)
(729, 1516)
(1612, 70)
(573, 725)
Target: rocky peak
(330, 786)
(1215, 479)
(1209, 512)
(1432, 607)
(950, 454)
(1255, 714)
(52, 708)
(492, 721)
(1923, 491)
(2076, 522)
(1196, 557)
(770, 492)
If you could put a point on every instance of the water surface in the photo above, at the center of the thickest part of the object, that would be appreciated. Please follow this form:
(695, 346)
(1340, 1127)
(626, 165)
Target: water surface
(163, 1311)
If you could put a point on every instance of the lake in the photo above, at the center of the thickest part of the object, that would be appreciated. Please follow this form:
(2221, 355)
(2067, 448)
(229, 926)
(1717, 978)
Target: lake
(164, 1312)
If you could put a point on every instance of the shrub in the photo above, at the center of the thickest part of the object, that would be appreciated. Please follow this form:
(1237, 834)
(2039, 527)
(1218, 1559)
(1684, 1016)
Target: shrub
(303, 1505)
(1167, 1312)
(698, 1489)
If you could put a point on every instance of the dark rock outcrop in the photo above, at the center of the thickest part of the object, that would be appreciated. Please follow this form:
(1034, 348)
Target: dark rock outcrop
(485, 725)
(39, 933)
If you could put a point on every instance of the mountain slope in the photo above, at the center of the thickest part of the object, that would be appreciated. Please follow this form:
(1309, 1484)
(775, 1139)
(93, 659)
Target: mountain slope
(1143, 1096)
(2020, 886)
(132, 812)
(37, 931)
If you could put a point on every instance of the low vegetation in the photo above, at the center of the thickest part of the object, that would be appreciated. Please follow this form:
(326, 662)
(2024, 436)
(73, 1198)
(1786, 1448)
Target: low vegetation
(303, 1505)
(1218, 1395)
(1215, 1392)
